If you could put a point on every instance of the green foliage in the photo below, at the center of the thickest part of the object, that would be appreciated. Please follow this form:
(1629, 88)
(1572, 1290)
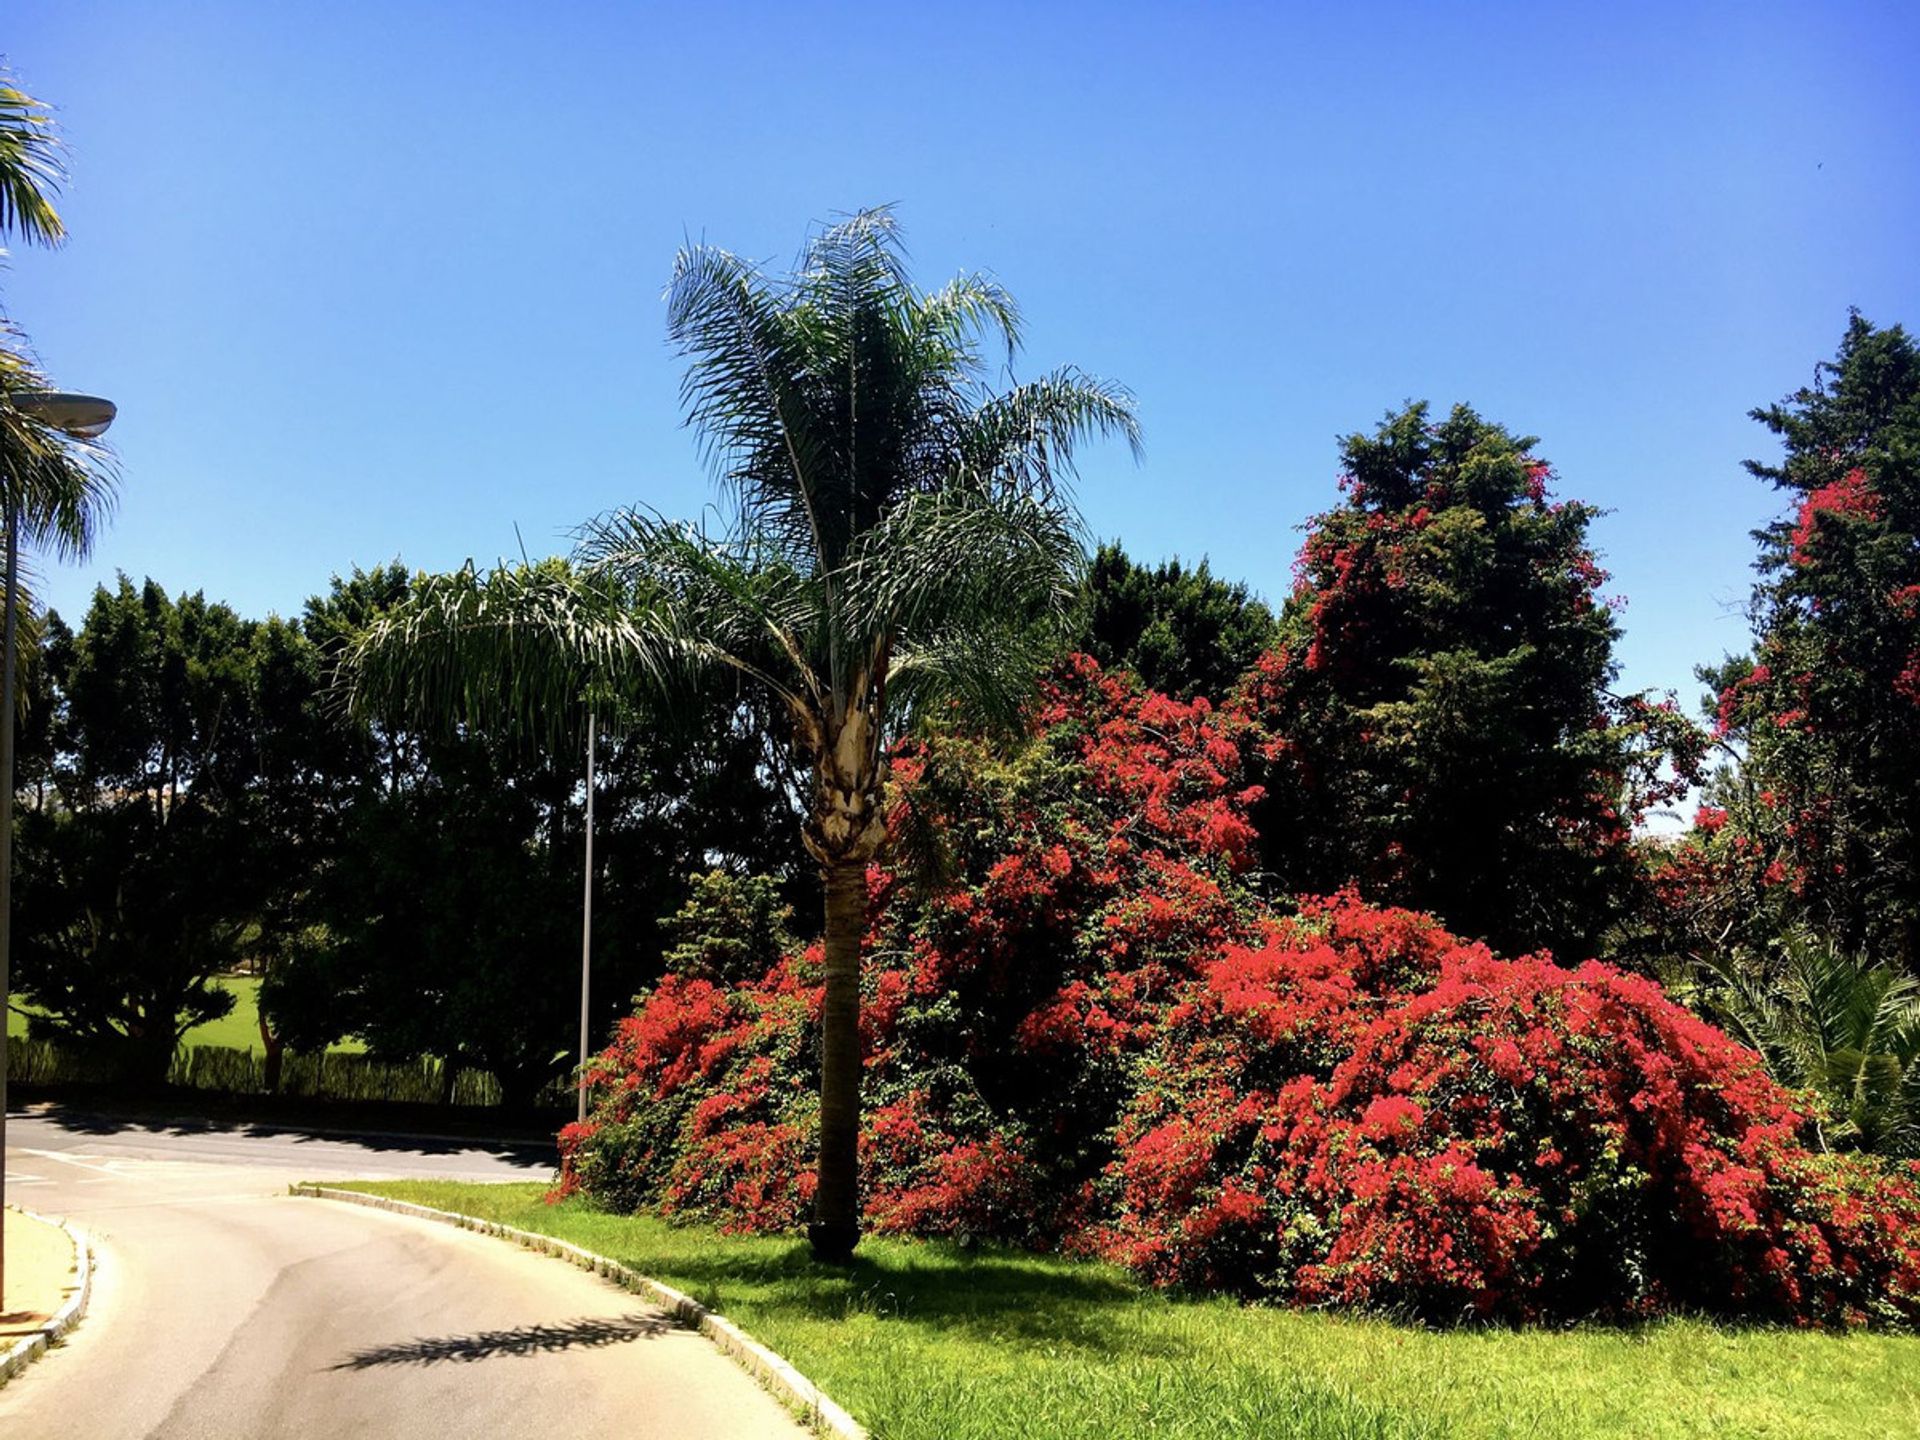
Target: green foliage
(1823, 716)
(32, 168)
(731, 930)
(199, 801)
(137, 882)
(1442, 729)
(936, 1341)
(1182, 631)
(443, 914)
(231, 1070)
(1839, 1026)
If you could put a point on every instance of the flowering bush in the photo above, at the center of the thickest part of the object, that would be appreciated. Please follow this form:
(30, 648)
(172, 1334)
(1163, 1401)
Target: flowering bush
(1365, 1110)
(1093, 1034)
(1083, 880)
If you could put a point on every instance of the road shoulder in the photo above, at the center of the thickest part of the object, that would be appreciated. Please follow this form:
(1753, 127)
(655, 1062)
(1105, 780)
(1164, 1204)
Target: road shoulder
(772, 1370)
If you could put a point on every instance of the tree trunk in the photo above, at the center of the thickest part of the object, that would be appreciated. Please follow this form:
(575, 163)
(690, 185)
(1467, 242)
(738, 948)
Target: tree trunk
(276, 1053)
(836, 1202)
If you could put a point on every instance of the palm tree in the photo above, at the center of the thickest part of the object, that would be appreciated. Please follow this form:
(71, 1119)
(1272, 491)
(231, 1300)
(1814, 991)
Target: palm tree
(61, 484)
(897, 538)
(1835, 1024)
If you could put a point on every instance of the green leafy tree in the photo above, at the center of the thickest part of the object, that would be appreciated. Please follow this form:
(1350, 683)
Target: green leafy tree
(896, 539)
(140, 877)
(1823, 715)
(1441, 729)
(732, 929)
(436, 911)
(1182, 631)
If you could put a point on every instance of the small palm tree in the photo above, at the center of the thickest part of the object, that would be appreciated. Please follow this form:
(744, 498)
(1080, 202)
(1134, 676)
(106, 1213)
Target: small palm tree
(898, 538)
(1837, 1025)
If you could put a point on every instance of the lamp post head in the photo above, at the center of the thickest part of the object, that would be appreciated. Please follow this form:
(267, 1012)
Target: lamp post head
(85, 417)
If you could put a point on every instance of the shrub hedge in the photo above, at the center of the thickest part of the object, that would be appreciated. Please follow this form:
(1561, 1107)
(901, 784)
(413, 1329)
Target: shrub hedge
(230, 1070)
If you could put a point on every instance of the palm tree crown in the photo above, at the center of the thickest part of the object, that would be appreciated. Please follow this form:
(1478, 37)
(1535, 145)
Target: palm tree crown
(898, 535)
(62, 485)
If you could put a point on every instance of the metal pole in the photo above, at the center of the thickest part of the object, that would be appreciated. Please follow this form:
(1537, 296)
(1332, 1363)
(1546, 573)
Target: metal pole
(586, 920)
(6, 853)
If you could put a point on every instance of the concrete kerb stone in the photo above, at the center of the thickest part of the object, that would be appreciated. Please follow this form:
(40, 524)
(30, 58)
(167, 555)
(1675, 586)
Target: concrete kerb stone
(771, 1370)
(29, 1348)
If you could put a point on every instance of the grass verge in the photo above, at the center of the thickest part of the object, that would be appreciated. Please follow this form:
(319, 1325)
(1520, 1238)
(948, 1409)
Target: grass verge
(933, 1342)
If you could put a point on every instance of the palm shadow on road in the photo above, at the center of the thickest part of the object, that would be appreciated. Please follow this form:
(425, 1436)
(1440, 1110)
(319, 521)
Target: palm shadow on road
(590, 1333)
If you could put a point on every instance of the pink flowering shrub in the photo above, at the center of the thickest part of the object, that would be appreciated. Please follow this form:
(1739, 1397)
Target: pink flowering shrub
(1093, 1034)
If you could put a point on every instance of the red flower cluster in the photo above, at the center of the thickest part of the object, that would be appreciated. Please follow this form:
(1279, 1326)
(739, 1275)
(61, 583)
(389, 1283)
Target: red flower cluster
(1851, 497)
(1095, 1035)
(998, 1016)
(1365, 1110)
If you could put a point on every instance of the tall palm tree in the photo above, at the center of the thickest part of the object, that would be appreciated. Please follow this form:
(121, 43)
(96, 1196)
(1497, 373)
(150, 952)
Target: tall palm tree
(898, 537)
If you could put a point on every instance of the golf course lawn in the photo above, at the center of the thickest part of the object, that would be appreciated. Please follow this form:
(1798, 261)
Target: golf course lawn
(926, 1341)
(239, 1027)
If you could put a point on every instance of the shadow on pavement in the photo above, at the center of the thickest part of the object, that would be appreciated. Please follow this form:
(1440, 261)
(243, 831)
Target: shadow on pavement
(587, 1334)
(375, 1132)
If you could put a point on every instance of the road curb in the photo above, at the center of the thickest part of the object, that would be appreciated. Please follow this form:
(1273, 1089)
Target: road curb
(771, 1370)
(25, 1351)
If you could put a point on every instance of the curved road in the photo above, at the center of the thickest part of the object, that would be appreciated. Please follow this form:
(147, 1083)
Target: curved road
(224, 1308)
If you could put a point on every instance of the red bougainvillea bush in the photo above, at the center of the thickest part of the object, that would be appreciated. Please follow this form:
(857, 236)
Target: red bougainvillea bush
(1092, 1033)
(1075, 888)
(1363, 1109)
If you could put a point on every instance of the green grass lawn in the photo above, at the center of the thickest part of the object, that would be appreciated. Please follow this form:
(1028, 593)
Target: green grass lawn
(239, 1027)
(933, 1342)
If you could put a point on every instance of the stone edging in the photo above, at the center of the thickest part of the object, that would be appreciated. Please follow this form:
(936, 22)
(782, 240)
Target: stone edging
(771, 1370)
(25, 1351)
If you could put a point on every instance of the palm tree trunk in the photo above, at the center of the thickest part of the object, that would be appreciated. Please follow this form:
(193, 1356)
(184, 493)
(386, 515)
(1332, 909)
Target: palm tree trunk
(836, 1202)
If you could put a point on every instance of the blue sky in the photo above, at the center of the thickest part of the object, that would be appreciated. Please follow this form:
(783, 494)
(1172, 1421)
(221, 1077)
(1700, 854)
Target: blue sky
(384, 279)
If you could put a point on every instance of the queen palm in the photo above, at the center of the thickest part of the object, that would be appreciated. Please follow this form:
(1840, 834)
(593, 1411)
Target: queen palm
(61, 486)
(897, 537)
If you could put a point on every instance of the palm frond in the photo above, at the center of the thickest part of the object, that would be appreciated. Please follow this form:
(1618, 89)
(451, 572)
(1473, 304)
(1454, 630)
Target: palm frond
(982, 676)
(1028, 437)
(959, 556)
(66, 487)
(733, 601)
(32, 169)
(965, 310)
(746, 392)
(1834, 1024)
(518, 651)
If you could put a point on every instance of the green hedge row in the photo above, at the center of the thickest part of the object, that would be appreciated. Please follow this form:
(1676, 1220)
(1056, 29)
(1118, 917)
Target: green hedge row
(228, 1070)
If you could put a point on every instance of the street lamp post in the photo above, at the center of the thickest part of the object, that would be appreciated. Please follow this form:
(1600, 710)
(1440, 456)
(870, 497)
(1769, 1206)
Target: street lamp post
(586, 931)
(85, 417)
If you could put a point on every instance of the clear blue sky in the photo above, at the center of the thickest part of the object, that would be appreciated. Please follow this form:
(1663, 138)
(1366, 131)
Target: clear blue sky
(379, 279)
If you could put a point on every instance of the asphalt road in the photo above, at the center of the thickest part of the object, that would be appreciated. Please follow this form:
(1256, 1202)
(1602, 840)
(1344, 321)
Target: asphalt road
(224, 1308)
